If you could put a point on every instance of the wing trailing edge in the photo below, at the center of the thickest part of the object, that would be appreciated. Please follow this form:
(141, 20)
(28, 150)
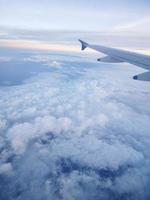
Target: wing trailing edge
(108, 59)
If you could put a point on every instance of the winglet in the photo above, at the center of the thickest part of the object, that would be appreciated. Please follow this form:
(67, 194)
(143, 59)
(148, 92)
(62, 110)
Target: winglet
(142, 77)
(84, 45)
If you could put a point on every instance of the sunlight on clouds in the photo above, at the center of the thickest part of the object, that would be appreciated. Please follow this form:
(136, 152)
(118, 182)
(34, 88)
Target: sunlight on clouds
(47, 46)
(37, 45)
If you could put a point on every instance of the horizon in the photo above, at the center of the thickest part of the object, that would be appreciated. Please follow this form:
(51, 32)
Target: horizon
(74, 125)
(111, 23)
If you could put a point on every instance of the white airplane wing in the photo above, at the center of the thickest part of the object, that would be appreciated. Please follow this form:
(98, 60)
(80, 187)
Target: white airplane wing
(118, 56)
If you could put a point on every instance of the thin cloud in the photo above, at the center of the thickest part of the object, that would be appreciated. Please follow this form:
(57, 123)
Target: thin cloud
(139, 27)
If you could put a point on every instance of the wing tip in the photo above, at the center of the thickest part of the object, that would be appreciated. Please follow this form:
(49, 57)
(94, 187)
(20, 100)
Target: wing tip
(135, 77)
(142, 77)
(84, 45)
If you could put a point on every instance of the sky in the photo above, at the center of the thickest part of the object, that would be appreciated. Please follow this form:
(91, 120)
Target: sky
(71, 127)
(109, 15)
(40, 24)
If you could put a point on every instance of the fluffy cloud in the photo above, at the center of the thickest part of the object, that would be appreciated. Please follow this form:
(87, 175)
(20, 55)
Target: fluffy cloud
(5, 168)
(44, 59)
(74, 133)
(21, 134)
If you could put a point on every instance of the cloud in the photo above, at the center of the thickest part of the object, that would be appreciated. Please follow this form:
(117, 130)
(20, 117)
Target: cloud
(55, 64)
(2, 123)
(138, 27)
(5, 59)
(5, 168)
(127, 35)
(75, 133)
(32, 44)
(47, 60)
(21, 134)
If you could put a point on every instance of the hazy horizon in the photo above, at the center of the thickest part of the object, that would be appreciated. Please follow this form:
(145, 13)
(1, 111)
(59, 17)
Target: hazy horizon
(72, 128)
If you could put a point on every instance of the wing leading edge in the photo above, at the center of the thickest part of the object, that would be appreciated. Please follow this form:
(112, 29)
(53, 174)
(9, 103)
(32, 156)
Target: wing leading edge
(117, 55)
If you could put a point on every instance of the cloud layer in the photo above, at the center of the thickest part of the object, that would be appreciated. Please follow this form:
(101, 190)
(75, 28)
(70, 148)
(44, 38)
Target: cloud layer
(80, 131)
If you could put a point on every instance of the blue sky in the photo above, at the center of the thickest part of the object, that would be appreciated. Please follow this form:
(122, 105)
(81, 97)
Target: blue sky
(95, 15)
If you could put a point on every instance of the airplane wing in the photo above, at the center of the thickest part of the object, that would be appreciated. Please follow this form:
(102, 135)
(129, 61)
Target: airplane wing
(117, 56)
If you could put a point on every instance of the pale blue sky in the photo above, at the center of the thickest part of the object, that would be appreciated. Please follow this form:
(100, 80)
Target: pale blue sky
(94, 15)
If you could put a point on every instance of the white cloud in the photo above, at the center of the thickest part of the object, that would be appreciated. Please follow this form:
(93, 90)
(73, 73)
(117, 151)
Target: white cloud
(21, 134)
(55, 64)
(76, 133)
(2, 123)
(47, 60)
(6, 168)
